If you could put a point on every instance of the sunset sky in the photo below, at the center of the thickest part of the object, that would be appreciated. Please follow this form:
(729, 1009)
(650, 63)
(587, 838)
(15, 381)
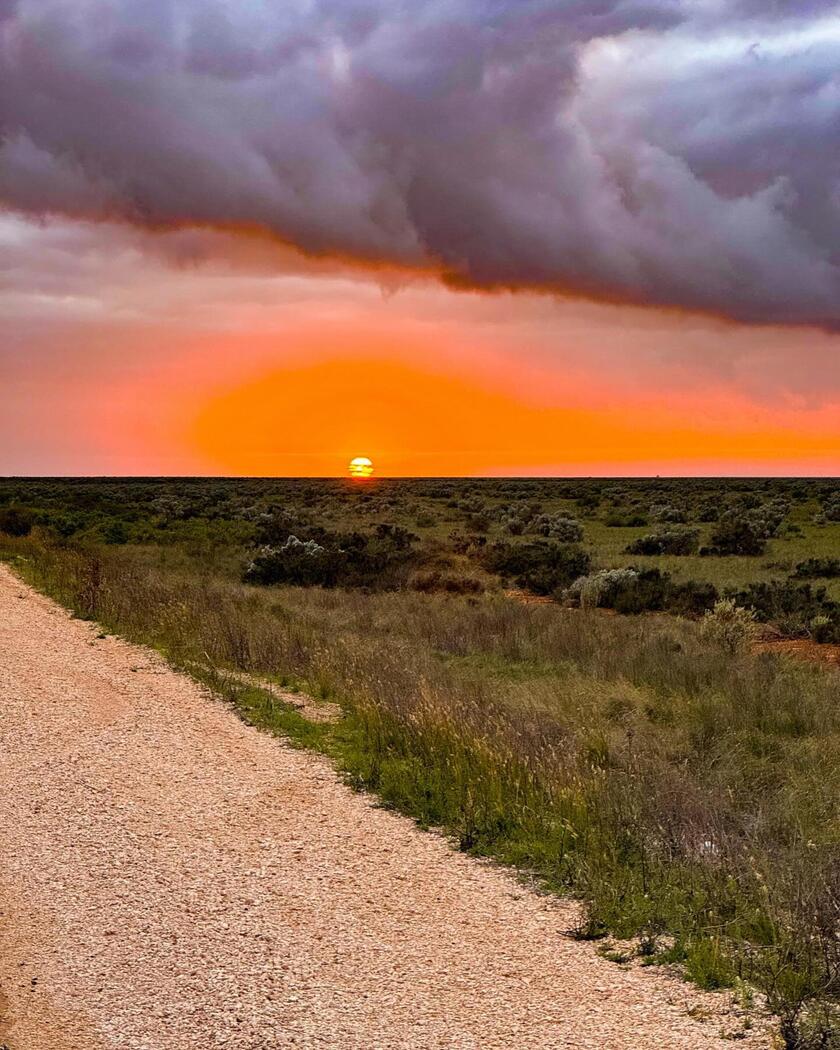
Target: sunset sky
(456, 236)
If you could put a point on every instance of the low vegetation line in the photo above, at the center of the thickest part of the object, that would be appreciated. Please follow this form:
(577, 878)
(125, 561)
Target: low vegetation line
(684, 787)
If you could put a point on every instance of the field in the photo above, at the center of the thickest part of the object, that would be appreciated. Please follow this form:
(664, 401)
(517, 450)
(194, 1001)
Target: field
(685, 785)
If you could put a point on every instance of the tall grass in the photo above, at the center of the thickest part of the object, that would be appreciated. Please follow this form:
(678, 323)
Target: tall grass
(688, 793)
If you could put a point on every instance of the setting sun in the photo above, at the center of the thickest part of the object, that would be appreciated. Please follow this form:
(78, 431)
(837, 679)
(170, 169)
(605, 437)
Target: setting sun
(360, 467)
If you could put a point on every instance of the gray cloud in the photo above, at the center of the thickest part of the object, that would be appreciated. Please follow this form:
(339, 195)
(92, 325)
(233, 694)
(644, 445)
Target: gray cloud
(675, 152)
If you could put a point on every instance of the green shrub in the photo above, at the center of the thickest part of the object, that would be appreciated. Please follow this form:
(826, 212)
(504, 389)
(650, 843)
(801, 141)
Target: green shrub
(557, 527)
(667, 541)
(115, 532)
(823, 629)
(16, 521)
(541, 566)
(637, 591)
(599, 590)
(831, 507)
(690, 598)
(665, 514)
(814, 568)
(729, 626)
(790, 607)
(378, 561)
(736, 534)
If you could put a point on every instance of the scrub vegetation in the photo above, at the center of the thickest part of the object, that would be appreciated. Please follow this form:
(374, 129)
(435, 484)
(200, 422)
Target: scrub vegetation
(684, 784)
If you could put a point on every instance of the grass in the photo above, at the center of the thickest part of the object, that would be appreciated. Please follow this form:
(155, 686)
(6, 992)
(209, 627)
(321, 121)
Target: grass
(782, 556)
(690, 795)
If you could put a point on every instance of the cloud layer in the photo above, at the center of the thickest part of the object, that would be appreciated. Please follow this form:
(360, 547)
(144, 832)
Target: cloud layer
(672, 152)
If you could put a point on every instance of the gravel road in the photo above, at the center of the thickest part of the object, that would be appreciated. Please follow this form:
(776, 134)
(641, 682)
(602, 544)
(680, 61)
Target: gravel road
(171, 879)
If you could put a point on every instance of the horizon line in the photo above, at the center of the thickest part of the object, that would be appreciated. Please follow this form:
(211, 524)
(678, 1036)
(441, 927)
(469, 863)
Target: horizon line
(419, 477)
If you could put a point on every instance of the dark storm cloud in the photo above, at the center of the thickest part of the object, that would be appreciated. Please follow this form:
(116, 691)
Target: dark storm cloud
(678, 153)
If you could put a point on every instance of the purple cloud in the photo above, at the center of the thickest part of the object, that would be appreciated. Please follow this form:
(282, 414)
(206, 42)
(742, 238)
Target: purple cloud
(674, 153)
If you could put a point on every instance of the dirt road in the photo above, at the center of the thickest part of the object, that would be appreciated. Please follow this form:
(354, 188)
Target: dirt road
(171, 879)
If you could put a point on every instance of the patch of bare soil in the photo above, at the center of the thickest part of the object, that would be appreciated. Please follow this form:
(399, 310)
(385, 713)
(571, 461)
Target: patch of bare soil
(517, 594)
(171, 878)
(802, 649)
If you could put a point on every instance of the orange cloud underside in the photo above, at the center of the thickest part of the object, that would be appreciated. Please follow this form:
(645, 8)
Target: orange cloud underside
(310, 419)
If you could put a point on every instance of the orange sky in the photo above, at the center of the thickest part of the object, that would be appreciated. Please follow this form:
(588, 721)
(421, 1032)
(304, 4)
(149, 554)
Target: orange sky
(312, 418)
(247, 363)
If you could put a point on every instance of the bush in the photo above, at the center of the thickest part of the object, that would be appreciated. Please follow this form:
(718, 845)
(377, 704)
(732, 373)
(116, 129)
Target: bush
(62, 525)
(822, 628)
(635, 591)
(542, 567)
(588, 503)
(790, 607)
(114, 532)
(625, 590)
(378, 561)
(515, 517)
(831, 507)
(813, 568)
(478, 522)
(648, 592)
(462, 544)
(665, 514)
(668, 541)
(16, 521)
(729, 626)
(598, 591)
(767, 519)
(691, 598)
(735, 534)
(303, 563)
(557, 527)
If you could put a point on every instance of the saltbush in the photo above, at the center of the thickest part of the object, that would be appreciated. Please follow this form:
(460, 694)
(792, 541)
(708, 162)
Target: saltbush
(666, 541)
(636, 591)
(558, 527)
(729, 626)
(542, 566)
(377, 561)
(665, 514)
(822, 628)
(691, 597)
(767, 518)
(16, 521)
(735, 534)
(515, 517)
(791, 607)
(598, 591)
(708, 512)
(814, 568)
(831, 507)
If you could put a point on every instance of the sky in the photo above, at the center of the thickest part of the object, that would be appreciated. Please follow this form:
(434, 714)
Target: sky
(460, 237)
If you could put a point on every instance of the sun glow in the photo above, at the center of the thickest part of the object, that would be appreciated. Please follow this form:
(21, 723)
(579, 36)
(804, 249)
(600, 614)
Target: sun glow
(360, 467)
